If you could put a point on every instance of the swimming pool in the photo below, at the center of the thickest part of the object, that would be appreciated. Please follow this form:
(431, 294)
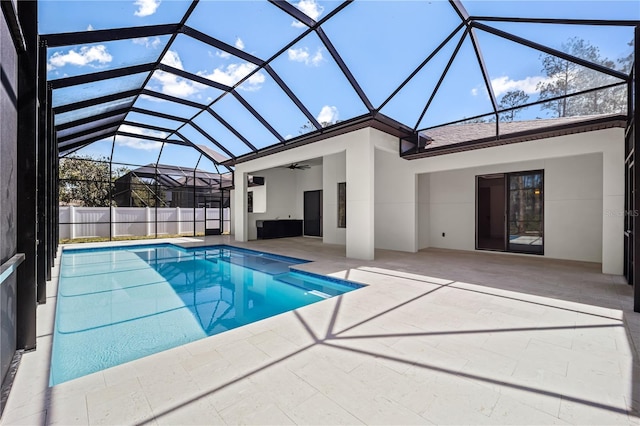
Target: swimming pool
(115, 305)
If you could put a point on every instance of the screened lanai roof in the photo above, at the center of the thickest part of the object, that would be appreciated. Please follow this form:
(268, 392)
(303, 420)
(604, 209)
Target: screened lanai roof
(176, 82)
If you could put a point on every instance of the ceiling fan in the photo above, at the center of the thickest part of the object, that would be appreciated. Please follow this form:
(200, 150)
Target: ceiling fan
(297, 166)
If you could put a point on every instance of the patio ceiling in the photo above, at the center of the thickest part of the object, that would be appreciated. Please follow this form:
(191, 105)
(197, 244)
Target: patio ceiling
(227, 81)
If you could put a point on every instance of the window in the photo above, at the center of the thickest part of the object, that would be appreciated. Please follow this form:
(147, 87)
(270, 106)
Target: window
(342, 205)
(250, 201)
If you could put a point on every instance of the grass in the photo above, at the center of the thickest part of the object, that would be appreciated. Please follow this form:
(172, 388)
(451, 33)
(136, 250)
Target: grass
(124, 238)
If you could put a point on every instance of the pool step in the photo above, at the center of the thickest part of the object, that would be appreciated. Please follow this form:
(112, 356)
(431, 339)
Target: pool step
(312, 285)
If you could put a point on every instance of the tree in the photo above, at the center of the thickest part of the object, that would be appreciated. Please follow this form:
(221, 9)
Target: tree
(512, 99)
(308, 127)
(86, 181)
(565, 77)
(627, 62)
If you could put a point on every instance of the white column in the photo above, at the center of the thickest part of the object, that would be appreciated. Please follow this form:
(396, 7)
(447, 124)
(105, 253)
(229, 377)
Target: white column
(113, 222)
(240, 205)
(72, 220)
(360, 162)
(613, 208)
(149, 223)
(179, 222)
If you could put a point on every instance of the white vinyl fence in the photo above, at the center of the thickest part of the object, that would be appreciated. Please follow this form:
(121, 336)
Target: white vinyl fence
(86, 222)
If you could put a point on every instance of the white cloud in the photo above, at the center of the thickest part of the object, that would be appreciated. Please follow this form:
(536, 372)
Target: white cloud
(91, 56)
(144, 132)
(152, 98)
(172, 59)
(233, 73)
(303, 55)
(146, 7)
(171, 84)
(504, 84)
(310, 8)
(225, 55)
(328, 114)
(135, 143)
(147, 42)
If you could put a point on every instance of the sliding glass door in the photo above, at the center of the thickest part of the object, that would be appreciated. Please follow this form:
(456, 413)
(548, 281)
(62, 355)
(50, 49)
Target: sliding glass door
(510, 212)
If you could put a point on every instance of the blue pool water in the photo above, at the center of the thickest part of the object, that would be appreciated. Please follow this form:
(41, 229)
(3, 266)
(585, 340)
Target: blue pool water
(119, 304)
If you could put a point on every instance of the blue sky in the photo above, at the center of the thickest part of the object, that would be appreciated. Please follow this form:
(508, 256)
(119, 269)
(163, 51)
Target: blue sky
(381, 42)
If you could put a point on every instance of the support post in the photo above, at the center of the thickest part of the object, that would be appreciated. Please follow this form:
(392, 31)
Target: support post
(41, 200)
(27, 182)
(360, 162)
(240, 214)
(634, 117)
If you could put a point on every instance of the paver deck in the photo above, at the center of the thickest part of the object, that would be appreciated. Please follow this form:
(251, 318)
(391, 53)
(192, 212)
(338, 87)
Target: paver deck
(437, 337)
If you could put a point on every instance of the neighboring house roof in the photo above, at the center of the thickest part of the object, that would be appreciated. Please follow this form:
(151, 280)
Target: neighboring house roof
(469, 136)
(177, 176)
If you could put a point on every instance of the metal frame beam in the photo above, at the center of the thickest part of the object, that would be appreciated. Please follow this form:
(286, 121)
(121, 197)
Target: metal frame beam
(257, 115)
(193, 77)
(292, 96)
(147, 126)
(590, 22)
(214, 42)
(461, 11)
(158, 114)
(203, 153)
(442, 76)
(231, 129)
(345, 70)
(582, 92)
(96, 117)
(150, 138)
(170, 98)
(101, 75)
(485, 74)
(550, 51)
(111, 34)
(422, 64)
(90, 131)
(209, 138)
(294, 12)
(95, 101)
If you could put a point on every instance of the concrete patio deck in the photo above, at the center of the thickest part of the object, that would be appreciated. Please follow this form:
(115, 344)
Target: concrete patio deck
(437, 337)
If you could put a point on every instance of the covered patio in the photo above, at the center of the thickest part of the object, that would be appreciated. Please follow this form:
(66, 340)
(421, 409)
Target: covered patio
(438, 336)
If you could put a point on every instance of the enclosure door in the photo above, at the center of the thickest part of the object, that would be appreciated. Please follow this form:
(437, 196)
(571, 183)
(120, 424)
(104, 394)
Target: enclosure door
(313, 213)
(213, 217)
